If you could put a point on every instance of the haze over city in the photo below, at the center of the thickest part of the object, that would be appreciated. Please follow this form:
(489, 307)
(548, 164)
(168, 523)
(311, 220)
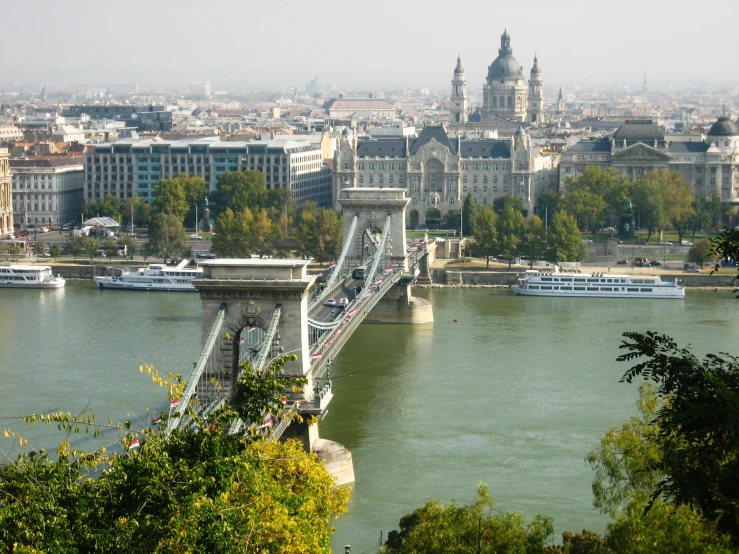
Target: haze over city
(367, 44)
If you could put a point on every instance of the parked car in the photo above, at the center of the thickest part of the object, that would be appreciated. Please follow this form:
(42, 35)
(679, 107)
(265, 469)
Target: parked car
(644, 261)
(331, 302)
(655, 263)
(608, 230)
(195, 237)
(665, 243)
(587, 241)
(693, 269)
(686, 243)
(623, 262)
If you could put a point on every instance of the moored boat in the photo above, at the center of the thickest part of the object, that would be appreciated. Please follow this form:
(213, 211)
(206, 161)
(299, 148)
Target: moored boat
(155, 277)
(19, 276)
(598, 285)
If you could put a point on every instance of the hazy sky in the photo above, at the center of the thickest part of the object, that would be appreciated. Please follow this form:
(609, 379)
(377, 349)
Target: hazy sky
(367, 43)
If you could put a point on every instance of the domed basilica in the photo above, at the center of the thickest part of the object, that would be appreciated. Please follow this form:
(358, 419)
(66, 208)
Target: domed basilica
(506, 98)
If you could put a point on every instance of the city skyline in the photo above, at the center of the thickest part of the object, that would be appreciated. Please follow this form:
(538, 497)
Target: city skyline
(254, 45)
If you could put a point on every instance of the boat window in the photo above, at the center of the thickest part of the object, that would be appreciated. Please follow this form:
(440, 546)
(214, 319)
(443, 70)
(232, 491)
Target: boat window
(546, 278)
(648, 281)
(546, 287)
(533, 286)
(566, 288)
(579, 288)
(578, 280)
(567, 280)
(629, 289)
(609, 280)
(593, 289)
(593, 280)
(645, 290)
(606, 288)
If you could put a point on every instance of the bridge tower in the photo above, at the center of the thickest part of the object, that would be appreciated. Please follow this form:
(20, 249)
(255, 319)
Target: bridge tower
(371, 206)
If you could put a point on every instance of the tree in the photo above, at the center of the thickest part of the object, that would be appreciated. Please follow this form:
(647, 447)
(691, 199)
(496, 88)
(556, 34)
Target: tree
(535, 240)
(141, 212)
(320, 233)
(697, 425)
(77, 245)
(14, 250)
(647, 195)
(233, 239)
(283, 236)
(588, 209)
(91, 248)
(678, 199)
(472, 528)
(450, 220)
(38, 247)
(604, 182)
(261, 233)
(486, 233)
(502, 202)
(131, 248)
(111, 206)
(169, 198)
(565, 240)
(196, 191)
(239, 190)
(166, 235)
(700, 217)
(469, 211)
(548, 203)
(194, 490)
(701, 252)
(55, 251)
(511, 231)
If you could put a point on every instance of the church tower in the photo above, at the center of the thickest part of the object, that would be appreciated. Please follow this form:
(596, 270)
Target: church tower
(536, 94)
(561, 102)
(458, 109)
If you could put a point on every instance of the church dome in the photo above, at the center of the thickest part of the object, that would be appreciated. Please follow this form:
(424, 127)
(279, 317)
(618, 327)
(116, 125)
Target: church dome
(505, 65)
(724, 127)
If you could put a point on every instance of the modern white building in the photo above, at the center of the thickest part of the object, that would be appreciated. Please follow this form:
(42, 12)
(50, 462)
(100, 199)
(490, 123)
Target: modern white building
(47, 190)
(439, 171)
(132, 167)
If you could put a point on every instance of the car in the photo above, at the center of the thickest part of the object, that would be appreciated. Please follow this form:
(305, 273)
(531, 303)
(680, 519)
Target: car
(608, 230)
(44, 255)
(331, 302)
(587, 241)
(65, 227)
(343, 301)
(622, 262)
(655, 263)
(424, 229)
(665, 243)
(254, 257)
(693, 269)
(644, 261)
(195, 236)
(44, 229)
(686, 243)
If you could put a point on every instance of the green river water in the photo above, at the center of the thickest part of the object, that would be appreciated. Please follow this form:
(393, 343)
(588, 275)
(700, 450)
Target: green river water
(514, 394)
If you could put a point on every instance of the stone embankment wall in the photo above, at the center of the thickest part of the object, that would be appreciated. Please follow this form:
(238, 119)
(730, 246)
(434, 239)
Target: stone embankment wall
(88, 271)
(457, 277)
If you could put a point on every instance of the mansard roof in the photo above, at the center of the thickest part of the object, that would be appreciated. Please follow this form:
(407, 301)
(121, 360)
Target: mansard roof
(687, 147)
(485, 148)
(381, 148)
(599, 145)
(639, 130)
(431, 132)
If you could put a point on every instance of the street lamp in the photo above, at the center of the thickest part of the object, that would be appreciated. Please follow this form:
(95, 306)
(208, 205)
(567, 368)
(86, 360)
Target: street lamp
(196, 217)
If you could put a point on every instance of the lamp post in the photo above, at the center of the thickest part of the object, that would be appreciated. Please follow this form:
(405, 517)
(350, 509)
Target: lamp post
(196, 217)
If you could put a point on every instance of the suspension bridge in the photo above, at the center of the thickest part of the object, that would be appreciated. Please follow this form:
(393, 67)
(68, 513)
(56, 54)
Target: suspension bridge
(254, 311)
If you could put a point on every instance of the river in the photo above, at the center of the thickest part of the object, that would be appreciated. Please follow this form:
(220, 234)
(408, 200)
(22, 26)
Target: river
(514, 394)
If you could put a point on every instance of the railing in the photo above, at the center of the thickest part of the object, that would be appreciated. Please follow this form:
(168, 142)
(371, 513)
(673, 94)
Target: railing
(206, 364)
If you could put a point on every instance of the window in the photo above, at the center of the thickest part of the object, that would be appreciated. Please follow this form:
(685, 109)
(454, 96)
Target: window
(474, 189)
(361, 179)
(464, 190)
(414, 201)
(401, 179)
(484, 178)
(484, 200)
(390, 179)
(484, 190)
(474, 178)
(495, 178)
(464, 179)
(451, 201)
(520, 167)
(380, 179)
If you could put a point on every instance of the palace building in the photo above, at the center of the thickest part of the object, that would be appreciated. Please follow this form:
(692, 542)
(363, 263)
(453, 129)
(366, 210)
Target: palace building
(6, 196)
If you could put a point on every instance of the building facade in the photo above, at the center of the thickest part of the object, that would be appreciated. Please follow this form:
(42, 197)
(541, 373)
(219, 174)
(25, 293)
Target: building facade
(439, 171)
(47, 190)
(710, 166)
(6, 197)
(132, 167)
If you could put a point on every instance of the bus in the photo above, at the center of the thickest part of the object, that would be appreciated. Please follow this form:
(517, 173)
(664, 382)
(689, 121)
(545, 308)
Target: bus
(360, 272)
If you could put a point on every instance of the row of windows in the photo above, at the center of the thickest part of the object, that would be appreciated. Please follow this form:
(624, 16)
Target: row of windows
(588, 289)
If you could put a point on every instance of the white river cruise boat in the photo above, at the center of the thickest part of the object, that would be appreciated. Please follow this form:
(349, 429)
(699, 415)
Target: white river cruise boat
(155, 277)
(602, 285)
(14, 276)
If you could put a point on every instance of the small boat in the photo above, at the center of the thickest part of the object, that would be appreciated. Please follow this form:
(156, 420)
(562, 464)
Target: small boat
(18, 276)
(596, 285)
(154, 277)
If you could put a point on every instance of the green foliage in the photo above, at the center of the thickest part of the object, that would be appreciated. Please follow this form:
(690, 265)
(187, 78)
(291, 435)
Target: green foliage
(139, 208)
(170, 199)
(698, 425)
(38, 247)
(604, 182)
(110, 206)
(469, 211)
(14, 250)
(586, 542)
(201, 490)
(320, 233)
(701, 252)
(565, 240)
(486, 233)
(535, 240)
(77, 245)
(450, 220)
(664, 529)
(468, 529)
(700, 217)
(232, 239)
(55, 251)
(91, 248)
(549, 203)
(588, 208)
(511, 231)
(626, 461)
(239, 190)
(166, 235)
(502, 202)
